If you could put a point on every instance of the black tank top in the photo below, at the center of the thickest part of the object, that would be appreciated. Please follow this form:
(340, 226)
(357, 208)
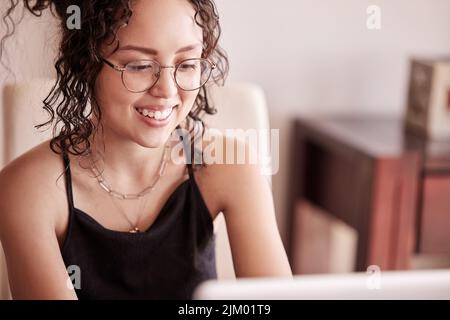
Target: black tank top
(167, 261)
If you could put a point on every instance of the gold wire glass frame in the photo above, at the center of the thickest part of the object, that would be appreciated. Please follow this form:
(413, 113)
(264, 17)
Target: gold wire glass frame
(189, 74)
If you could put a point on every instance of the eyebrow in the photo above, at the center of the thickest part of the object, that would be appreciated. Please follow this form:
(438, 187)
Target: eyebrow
(155, 52)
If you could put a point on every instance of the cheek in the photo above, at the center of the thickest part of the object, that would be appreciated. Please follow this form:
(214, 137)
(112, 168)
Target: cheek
(188, 99)
(110, 92)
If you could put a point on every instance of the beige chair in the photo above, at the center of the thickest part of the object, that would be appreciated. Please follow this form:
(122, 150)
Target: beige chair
(240, 105)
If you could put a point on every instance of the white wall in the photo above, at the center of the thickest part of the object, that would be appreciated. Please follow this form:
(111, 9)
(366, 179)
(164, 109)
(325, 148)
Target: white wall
(317, 56)
(29, 54)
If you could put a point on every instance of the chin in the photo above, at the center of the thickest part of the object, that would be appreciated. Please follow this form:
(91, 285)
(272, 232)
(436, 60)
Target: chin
(156, 140)
(151, 143)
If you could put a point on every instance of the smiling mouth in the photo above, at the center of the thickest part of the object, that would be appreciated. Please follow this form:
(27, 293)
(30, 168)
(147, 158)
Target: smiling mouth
(156, 115)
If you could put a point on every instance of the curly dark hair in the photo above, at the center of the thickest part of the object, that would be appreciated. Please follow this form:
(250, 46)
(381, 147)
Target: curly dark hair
(79, 63)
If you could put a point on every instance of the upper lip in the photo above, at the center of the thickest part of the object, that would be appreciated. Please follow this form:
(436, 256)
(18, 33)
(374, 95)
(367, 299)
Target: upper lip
(156, 107)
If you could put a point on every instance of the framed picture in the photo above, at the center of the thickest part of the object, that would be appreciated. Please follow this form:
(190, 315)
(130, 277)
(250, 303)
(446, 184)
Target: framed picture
(428, 106)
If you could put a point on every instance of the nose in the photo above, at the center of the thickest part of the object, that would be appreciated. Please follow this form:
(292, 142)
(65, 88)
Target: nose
(165, 86)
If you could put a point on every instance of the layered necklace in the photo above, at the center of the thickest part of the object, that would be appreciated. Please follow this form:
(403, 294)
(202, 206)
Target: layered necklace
(104, 184)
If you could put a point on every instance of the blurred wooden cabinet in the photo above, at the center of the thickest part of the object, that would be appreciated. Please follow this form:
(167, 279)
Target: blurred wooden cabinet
(391, 186)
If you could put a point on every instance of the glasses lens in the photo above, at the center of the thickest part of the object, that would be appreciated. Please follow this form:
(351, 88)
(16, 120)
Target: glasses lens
(140, 75)
(192, 74)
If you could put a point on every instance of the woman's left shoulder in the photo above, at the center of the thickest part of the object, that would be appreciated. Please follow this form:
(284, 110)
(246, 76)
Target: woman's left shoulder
(231, 168)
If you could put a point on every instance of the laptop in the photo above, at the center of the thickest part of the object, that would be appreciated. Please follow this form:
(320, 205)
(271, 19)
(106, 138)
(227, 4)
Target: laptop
(389, 285)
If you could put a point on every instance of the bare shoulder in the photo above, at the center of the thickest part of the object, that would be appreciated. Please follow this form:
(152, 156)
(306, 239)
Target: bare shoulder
(239, 187)
(29, 203)
(229, 170)
(32, 185)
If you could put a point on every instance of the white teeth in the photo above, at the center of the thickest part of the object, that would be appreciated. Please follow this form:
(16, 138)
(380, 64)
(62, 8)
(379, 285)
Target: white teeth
(158, 115)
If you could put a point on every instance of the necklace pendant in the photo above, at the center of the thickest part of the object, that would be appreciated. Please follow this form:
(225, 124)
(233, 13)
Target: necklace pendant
(135, 230)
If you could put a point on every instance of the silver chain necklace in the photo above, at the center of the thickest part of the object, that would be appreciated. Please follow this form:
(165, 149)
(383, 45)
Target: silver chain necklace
(130, 196)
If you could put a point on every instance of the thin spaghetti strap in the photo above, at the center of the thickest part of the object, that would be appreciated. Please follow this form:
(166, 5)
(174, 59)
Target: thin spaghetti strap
(187, 152)
(190, 171)
(68, 179)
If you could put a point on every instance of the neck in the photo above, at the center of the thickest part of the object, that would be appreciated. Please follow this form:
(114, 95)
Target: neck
(124, 162)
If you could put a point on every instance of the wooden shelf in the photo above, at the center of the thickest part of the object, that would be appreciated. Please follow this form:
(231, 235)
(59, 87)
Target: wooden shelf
(387, 183)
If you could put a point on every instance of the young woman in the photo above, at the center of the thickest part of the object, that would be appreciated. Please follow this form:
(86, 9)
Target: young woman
(106, 200)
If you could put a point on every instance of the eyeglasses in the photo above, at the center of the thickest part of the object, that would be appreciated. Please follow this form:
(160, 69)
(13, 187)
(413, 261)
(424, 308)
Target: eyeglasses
(142, 75)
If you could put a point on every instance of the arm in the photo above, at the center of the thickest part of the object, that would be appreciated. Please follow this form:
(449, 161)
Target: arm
(27, 231)
(249, 213)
